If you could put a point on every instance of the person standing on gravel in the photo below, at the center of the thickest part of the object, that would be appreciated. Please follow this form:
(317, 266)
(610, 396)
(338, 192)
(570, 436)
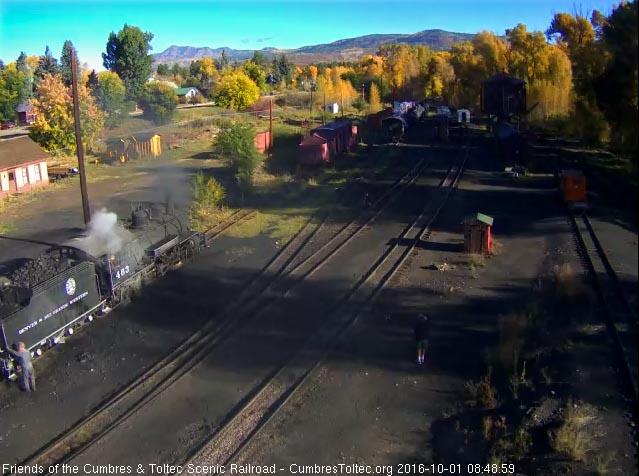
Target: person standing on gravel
(422, 336)
(25, 362)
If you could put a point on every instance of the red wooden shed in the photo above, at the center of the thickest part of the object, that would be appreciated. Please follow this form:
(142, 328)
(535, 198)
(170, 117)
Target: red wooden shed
(262, 141)
(477, 233)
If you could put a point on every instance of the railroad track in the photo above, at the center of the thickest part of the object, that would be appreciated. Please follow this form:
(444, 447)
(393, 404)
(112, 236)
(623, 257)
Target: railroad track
(619, 318)
(236, 218)
(251, 416)
(187, 355)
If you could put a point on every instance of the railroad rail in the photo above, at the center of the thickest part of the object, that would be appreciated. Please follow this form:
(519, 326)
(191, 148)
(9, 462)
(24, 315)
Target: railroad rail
(252, 415)
(236, 218)
(620, 321)
(187, 355)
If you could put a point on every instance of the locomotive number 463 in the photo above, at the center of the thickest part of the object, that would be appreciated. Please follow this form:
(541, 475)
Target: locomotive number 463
(122, 271)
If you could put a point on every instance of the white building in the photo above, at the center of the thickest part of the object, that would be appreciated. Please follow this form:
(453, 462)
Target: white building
(463, 116)
(332, 108)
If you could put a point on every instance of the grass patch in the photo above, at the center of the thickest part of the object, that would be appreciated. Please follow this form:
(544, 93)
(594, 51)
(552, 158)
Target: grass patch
(240, 251)
(512, 334)
(280, 225)
(196, 149)
(512, 444)
(575, 436)
(482, 393)
(8, 227)
(602, 464)
(497, 247)
(263, 180)
(190, 113)
(476, 261)
(202, 218)
(129, 125)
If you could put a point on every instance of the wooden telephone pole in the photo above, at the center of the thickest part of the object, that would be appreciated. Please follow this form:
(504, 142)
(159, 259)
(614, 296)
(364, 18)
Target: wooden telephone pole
(324, 110)
(270, 126)
(78, 141)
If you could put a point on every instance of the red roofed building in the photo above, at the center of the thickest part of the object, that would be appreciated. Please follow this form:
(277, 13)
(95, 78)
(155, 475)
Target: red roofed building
(23, 166)
(25, 113)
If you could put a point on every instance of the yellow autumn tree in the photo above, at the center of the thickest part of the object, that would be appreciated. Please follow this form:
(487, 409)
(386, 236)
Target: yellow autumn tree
(325, 89)
(344, 91)
(54, 127)
(313, 71)
(374, 99)
(553, 90)
(493, 52)
(236, 90)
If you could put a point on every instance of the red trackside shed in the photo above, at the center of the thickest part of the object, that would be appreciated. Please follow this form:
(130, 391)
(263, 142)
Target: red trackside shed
(262, 141)
(477, 233)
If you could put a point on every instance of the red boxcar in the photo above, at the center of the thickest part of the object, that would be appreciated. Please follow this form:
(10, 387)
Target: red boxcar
(326, 142)
(314, 150)
(337, 134)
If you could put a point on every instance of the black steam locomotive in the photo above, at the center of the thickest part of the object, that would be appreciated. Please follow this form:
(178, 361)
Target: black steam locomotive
(87, 276)
(406, 114)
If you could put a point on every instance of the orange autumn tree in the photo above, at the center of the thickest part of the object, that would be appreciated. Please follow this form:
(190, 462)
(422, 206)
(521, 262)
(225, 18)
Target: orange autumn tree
(54, 127)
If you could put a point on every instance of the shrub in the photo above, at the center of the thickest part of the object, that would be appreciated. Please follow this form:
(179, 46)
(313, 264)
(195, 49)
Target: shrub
(486, 393)
(207, 191)
(208, 195)
(158, 102)
(359, 104)
(487, 426)
(236, 144)
(574, 437)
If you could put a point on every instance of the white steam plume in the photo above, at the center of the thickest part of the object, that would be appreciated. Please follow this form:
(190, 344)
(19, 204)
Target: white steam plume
(104, 235)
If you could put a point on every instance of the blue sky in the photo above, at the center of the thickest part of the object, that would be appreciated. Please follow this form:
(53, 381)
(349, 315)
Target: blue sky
(29, 26)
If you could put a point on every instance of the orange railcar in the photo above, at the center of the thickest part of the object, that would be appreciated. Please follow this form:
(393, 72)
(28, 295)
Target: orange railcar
(572, 184)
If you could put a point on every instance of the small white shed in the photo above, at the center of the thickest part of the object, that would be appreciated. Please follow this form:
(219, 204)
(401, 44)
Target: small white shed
(463, 116)
(332, 108)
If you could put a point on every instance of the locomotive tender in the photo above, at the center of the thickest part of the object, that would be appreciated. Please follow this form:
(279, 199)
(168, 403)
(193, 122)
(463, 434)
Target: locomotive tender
(70, 284)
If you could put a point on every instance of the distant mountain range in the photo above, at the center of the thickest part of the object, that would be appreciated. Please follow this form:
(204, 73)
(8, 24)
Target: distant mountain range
(342, 50)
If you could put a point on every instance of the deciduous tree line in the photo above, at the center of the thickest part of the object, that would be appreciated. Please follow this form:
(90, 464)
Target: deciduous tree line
(584, 68)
